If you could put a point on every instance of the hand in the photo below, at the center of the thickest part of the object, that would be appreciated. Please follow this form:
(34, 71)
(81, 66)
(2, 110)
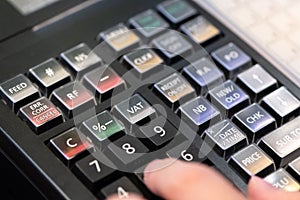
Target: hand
(190, 181)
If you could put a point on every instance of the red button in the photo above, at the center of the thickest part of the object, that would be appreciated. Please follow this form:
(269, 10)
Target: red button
(71, 143)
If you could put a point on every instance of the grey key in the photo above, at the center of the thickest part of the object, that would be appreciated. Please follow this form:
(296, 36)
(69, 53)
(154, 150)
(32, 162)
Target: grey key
(252, 161)
(282, 180)
(135, 110)
(120, 39)
(228, 98)
(282, 104)
(225, 138)
(49, 75)
(203, 75)
(283, 144)
(148, 23)
(18, 91)
(73, 99)
(81, 59)
(232, 59)
(254, 121)
(176, 11)
(174, 90)
(294, 169)
(172, 46)
(200, 30)
(257, 82)
(199, 114)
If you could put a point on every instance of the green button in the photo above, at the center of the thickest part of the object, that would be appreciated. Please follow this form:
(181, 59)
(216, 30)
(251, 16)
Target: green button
(176, 11)
(103, 125)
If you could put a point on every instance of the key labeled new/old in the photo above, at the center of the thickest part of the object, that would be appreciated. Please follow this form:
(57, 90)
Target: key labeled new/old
(41, 115)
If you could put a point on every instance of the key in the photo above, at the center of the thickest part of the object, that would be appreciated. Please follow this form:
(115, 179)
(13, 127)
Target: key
(252, 161)
(103, 126)
(254, 121)
(120, 39)
(172, 46)
(257, 82)
(72, 99)
(186, 151)
(176, 11)
(294, 169)
(93, 172)
(41, 115)
(127, 149)
(225, 138)
(280, 179)
(135, 110)
(174, 90)
(158, 131)
(200, 30)
(145, 62)
(121, 187)
(203, 75)
(228, 98)
(283, 105)
(232, 59)
(81, 59)
(148, 24)
(283, 144)
(199, 114)
(70, 144)
(49, 75)
(104, 82)
(18, 91)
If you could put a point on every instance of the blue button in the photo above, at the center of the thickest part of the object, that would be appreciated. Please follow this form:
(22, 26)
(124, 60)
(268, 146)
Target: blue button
(204, 74)
(199, 113)
(232, 59)
(229, 98)
(255, 121)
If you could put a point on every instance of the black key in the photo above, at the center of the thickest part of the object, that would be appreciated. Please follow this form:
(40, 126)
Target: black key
(282, 180)
(199, 114)
(282, 104)
(145, 62)
(121, 187)
(257, 82)
(72, 99)
(228, 98)
(159, 131)
(127, 149)
(81, 59)
(120, 39)
(172, 46)
(18, 91)
(283, 144)
(174, 90)
(294, 169)
(41, 115)
(203, 75)
(232, 59)
(148, 24)
(92, 171)
(252, 161)
(225, 138)
(104, 82)
(176, 11)
(135, 110)
(70, 144)
(200, 30)
(188, 152)
(49, 75)
(255, 122)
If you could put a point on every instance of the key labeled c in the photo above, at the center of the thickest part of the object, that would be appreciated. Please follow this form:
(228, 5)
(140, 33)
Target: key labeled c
(69, 143)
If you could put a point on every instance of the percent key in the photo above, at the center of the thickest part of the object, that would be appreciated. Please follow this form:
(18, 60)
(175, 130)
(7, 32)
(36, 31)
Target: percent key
(103, 126)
